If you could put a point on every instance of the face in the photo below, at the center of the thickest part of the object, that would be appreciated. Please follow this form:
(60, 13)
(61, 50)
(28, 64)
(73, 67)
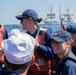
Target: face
(74, 39)
(25, 23)
(59, 47)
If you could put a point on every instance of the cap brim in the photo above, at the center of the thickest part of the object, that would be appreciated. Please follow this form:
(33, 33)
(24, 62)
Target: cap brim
(19, 17)
(57, 39)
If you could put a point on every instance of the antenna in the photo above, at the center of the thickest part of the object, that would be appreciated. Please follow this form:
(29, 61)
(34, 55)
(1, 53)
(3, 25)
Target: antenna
(51, 11)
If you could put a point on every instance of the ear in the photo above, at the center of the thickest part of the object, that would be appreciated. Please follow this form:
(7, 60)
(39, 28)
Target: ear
(68, 43)
(33, 60)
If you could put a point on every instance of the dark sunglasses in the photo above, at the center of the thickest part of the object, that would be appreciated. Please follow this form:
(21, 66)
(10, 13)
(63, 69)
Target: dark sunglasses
(24, 18)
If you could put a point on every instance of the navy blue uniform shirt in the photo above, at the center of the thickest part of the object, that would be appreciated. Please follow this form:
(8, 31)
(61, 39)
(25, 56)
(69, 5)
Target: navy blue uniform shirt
(46, 49)
(69, 68)
(66, 66)
(4, 72)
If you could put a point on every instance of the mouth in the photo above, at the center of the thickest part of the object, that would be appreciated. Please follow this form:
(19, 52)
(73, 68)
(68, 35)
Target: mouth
(55, 49)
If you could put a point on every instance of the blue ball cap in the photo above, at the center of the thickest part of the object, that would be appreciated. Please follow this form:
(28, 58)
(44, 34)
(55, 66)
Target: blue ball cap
(71, 29)
(28, 13)
(61, 36)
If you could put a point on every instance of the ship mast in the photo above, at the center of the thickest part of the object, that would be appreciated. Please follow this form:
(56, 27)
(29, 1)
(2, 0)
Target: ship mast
(51, 15)
(67, 10)
(67, 14)
(59, 13)
(50, 12)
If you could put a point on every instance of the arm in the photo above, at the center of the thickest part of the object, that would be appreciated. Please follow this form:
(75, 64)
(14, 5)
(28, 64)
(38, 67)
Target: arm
(46, 49)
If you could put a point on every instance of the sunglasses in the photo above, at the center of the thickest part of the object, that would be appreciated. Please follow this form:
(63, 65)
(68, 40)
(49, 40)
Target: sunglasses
(24, 18)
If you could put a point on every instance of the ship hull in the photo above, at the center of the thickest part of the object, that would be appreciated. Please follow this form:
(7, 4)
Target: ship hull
(50, 22)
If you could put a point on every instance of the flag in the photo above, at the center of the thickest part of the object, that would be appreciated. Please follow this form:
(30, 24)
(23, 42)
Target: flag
(62, 25)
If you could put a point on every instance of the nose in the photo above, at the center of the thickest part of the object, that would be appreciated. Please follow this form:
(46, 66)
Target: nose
(21, 21)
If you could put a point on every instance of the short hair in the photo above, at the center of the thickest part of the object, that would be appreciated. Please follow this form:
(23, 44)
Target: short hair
(14, 67)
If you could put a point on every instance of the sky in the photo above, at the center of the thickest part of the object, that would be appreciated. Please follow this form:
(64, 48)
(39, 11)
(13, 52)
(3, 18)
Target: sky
(10, 8)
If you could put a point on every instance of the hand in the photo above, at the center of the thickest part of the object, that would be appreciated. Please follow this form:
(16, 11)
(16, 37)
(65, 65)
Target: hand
(36, 44)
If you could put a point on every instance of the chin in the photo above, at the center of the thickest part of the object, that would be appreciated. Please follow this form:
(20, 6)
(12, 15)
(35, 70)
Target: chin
(56, 53)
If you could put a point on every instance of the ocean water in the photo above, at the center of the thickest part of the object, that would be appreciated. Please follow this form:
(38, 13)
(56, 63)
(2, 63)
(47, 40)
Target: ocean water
(54, 27)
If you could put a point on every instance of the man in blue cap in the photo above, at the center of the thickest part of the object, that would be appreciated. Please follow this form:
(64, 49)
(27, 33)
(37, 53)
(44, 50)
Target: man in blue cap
(72, 30)
(29, 20)
(61, 45)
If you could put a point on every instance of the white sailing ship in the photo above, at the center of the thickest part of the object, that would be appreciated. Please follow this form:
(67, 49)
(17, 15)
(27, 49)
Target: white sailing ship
(67, 17)
(50, 18)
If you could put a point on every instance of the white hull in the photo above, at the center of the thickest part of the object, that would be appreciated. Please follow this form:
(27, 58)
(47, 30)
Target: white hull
(50, 22)
(50, 18)
(68, 23)
(56, 22)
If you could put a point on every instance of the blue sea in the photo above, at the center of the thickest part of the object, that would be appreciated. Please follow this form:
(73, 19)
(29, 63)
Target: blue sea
(54, 27)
